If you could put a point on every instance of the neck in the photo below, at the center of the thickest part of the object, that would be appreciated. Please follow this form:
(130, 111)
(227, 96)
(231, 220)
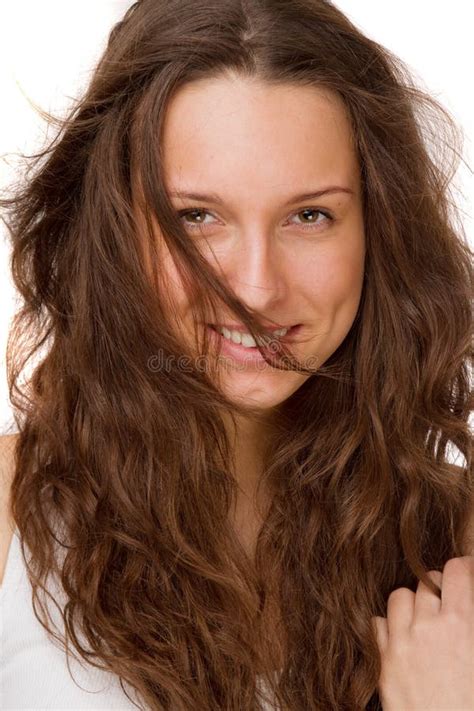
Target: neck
(249, 440)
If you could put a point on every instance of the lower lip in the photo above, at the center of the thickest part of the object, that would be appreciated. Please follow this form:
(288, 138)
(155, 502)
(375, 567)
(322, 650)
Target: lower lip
(240, 353)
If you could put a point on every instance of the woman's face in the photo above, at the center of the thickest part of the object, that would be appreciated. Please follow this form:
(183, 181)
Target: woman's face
(253, 149)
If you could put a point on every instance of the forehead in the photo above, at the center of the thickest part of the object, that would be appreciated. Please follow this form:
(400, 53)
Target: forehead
(234, 132)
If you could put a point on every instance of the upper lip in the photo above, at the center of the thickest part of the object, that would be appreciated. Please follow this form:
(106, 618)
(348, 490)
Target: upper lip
(241, 327)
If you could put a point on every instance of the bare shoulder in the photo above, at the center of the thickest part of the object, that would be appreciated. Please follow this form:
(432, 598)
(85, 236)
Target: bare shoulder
(7, 470)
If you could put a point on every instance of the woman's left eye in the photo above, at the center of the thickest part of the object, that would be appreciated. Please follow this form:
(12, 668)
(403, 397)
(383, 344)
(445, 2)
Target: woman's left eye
(328, 217)
(308, 226)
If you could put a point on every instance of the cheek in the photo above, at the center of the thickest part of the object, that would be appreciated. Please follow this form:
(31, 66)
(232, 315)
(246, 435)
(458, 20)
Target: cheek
(333, 285)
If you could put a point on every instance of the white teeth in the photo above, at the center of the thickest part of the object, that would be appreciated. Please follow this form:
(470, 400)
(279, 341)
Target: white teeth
(245, 338)
(248, 341)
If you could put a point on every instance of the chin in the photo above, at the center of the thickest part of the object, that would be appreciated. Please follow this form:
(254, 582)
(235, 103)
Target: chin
(262, 391)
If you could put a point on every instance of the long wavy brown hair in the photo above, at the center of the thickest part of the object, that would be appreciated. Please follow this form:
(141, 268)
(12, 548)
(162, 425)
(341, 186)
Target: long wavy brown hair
(124, 471)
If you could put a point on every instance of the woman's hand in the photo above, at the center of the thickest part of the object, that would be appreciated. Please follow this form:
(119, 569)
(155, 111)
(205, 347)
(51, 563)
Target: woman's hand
(427, 644)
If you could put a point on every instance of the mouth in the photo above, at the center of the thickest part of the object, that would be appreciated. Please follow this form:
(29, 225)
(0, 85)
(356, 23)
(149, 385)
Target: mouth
(246, 341)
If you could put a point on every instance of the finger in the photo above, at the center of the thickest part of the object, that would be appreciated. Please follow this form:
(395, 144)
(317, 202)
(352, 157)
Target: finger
(400, 610)
(380, 627)
(426, 602)
(458, 585)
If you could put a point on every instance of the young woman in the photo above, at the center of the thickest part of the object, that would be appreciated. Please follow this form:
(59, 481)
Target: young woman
(231, 471)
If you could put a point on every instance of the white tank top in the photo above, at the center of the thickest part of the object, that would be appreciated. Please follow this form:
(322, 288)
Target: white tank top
(34, 671)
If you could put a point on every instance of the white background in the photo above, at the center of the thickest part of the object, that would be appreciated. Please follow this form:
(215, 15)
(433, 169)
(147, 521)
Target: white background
(48, 49)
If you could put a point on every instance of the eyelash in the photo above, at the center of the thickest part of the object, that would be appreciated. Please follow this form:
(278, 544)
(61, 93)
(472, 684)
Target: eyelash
(312, 227)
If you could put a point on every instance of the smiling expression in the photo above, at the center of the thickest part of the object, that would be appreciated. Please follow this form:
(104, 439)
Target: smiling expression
(265, 179)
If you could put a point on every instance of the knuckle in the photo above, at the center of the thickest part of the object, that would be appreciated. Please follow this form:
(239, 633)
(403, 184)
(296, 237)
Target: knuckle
(459, 566)
(399, 593)
(400, 646)
(397, 598)
(421, 629)
(454, 618)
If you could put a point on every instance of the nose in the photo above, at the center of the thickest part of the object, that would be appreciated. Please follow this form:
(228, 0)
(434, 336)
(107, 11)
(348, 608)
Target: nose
(257, 271)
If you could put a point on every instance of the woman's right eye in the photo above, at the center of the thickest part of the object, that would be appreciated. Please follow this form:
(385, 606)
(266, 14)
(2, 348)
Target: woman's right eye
(193, 225)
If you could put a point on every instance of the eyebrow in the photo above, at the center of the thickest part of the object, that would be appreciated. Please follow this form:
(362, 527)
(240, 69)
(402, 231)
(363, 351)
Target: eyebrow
(213, 197)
